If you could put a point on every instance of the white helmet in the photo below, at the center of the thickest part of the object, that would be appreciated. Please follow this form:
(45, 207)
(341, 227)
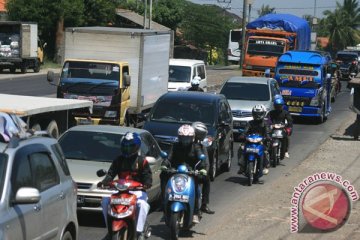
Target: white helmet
(195, 81)
(186, 134)
(200, 130)
(259, 112)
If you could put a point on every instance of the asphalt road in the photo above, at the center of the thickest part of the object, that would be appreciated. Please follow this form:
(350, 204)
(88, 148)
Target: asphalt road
(228, 187)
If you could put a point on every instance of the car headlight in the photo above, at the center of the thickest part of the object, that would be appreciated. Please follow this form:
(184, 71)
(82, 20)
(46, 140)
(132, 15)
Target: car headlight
(179, 183)
(315, 101)
(110, 114)
(207, 142)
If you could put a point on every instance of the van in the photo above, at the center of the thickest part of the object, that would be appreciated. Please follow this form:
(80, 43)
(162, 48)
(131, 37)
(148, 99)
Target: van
(182, 71)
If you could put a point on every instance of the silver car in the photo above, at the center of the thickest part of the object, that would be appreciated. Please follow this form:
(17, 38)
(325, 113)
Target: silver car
(88, 148)
(37, 193)
(243, 93)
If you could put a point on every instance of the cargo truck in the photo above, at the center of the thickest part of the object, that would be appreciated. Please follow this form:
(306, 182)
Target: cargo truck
(270, 36)
(19, 47)
(122, 70)
(43, 113)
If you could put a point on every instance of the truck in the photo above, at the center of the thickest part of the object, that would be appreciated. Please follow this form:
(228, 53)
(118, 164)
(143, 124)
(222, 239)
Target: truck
(306, 83)
(19, 48)
(270, 36)
(44, 113)
(122, 70)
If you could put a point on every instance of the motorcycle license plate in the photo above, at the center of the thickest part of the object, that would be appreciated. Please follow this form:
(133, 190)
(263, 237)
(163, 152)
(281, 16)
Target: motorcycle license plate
(178, 198)
(252, 150)
(277, 134)
(295, 109)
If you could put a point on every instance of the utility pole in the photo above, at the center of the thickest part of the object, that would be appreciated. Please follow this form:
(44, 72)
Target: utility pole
(243, 34)
(145, 13)
(150, 14)
(249, 12)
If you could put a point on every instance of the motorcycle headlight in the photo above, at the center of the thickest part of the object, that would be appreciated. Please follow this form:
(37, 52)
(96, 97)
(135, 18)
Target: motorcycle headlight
(128, 212)
(179, 183)
(110, 114)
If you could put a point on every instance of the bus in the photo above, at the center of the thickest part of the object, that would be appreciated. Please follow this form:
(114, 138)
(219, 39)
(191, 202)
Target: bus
(233, 47)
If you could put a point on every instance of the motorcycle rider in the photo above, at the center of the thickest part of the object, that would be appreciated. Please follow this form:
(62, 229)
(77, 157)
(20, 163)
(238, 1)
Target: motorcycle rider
(279, 115)
(258, 126)
(200, 134)
(130, 164)
(185, 151)
(195, 82)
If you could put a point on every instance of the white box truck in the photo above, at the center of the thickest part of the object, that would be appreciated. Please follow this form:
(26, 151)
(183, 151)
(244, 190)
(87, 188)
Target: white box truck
(19, 46)
(98, 63)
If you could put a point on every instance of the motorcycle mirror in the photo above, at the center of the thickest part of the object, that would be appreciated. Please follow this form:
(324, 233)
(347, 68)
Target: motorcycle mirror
(163, 154)
(202, 157)
(101, 173)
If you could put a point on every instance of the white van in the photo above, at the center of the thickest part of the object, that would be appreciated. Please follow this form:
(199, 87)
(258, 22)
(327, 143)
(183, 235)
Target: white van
(182, 71)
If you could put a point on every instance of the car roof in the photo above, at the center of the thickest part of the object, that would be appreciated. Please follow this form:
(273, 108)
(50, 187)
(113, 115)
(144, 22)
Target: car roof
(256, 80)
(193, 96)
(107, 129)
(185, 62)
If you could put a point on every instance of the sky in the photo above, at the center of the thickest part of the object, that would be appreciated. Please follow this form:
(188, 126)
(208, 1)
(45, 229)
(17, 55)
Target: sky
(295, 7)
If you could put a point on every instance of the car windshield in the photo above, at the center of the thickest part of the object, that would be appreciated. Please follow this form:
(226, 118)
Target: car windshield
(93, 70)
(246, 91)
(183, 111)
(3, 163)
(346, 57)
(179, 73)
(91, 146)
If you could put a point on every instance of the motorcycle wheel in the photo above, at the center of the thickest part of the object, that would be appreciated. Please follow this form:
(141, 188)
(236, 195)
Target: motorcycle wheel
(174, 225)
(274, 156)
(121, 235)
(278, 155)
(250, 173)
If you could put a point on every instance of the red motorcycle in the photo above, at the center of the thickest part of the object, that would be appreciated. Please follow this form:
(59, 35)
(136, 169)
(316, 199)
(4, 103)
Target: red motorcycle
(122, 211)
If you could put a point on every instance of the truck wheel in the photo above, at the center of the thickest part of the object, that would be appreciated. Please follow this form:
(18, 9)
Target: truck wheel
(37, 66)
(53, 129)
(23, 68)
(12, 69)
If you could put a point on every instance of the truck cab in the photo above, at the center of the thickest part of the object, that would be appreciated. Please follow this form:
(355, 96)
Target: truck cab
(105, 83)
(305, 83)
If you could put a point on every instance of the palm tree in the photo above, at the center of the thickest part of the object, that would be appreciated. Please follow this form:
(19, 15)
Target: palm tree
(265, 10)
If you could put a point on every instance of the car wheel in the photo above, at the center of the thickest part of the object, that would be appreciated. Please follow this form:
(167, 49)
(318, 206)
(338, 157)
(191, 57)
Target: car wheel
(213, 167)
(67, 236)
(227, 164)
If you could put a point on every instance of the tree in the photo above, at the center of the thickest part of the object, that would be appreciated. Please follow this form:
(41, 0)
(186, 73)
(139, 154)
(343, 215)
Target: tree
(99, 12)
(265, 9)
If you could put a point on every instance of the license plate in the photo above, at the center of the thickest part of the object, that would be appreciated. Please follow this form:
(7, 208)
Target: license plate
(295, 109)
(178, 197)
(252, 150)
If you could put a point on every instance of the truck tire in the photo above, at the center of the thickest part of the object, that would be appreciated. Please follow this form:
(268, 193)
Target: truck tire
(23, 68)
(13, 69)
(53, 129)
(37, 66)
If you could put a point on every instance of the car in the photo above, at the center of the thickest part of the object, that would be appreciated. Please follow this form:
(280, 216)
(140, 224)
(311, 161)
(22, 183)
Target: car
(37, 193)
(348, 62)
(182, 71)
(89, 148)
(174, 109)
(243, 93)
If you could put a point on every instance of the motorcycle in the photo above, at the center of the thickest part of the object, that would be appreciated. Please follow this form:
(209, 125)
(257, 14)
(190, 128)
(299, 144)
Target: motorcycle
(253, 150)
(277, 150)
(179, 202)
(122, 211)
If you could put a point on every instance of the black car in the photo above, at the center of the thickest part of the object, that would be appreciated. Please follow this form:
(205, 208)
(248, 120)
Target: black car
(348, 62)
(174, 109)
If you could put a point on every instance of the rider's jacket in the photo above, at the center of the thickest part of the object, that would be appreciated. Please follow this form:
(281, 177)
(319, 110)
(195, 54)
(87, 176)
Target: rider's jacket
(279, 116)
(257, 127)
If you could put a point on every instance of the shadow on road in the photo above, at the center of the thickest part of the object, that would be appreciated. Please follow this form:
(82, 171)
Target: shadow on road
(239, 180)
(91, 219)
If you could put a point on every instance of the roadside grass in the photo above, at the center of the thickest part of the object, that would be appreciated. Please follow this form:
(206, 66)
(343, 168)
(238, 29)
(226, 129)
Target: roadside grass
(48, 63)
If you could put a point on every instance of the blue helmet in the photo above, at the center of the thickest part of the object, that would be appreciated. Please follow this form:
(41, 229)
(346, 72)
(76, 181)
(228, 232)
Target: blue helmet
(130, 144)
(279, 101)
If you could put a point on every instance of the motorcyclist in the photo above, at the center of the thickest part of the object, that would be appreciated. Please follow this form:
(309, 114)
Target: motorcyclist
(195, 82)
(279, 115)
(130, 164)
(185, 151)
(257, 126)
(200, 134)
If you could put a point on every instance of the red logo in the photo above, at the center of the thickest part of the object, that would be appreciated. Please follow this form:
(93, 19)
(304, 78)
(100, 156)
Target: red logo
(326, 206)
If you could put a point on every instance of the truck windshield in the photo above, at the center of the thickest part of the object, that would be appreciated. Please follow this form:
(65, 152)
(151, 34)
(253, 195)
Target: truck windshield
(183, 111)
(346, 57)
(3, 163)
(299, 76)
(246, 91)
(179, 73)
(265, 47)
(92, 70)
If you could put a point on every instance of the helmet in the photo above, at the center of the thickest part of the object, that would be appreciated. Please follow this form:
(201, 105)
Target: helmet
(200, 130)
(186, 135)
(130, 144)
(278, 103)
(195, 81)
(267, 72)
(259, 112)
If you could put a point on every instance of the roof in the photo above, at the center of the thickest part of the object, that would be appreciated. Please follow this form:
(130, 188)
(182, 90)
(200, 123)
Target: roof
(107, 129)
(192, 96)
(256, 80)
(28, 105)
(138, 19)
(116, 30)
(185, 62)
(305, 57)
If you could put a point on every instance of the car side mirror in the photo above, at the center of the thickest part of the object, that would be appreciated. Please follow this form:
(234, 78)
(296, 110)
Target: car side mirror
(127, 80)
(101, 173)
(27, 195)
(150, 160)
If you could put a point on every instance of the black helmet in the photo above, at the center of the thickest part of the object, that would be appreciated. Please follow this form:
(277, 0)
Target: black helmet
(259, 112)
(200, 130)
